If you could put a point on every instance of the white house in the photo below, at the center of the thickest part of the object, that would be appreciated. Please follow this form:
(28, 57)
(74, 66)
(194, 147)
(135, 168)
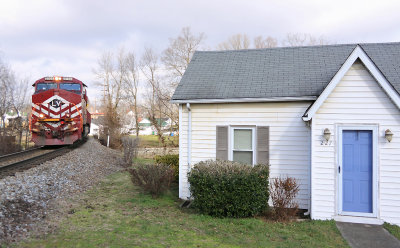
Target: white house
(326, 115)
(145, 122)
(147, 128)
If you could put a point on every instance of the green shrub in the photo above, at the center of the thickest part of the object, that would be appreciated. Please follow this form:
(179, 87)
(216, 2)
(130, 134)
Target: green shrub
(171, 160)
(152, 178)
(229, 189)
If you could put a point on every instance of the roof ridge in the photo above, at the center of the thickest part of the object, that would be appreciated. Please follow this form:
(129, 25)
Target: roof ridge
(297, 47)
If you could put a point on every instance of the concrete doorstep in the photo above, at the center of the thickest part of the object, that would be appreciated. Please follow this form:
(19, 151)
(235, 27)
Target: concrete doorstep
(366, 235)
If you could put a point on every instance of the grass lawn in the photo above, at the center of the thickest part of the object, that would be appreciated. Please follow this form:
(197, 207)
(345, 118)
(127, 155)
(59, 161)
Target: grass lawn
(143, 160)
(393, 229)
(117, 214)
(152, 141)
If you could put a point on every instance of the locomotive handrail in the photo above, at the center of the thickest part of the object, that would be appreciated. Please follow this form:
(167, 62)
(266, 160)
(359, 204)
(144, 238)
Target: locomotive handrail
(29, 122)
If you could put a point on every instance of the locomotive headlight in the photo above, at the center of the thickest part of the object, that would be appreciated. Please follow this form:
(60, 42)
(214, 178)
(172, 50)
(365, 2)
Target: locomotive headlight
(67, 115)
(41, 116)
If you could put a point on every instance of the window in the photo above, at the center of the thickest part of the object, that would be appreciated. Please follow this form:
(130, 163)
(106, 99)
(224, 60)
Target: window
(76, 88)
(243, 145)
(40, 87)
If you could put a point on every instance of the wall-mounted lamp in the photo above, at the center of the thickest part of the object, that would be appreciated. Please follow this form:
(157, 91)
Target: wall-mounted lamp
(388, 135)
(327, 134)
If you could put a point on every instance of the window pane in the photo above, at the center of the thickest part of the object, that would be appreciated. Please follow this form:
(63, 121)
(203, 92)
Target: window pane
(243, 157)
(70, 87)
(45, 86)
(242, 139)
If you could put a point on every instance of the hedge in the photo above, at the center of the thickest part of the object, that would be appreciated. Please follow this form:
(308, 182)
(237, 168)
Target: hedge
(229, 189)
(171, 160)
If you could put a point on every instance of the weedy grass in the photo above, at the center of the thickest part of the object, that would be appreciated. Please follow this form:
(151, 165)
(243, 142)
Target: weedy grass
(393, 229)
(118, 214)
(153, 141)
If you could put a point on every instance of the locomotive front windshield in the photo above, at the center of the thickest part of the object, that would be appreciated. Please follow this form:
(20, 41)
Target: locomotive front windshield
(45, 86)
(76, 88)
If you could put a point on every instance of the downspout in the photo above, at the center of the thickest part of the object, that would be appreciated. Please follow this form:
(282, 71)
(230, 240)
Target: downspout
(189, 155)
(309, 177)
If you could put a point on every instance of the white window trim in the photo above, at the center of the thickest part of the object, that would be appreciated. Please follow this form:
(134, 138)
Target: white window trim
(375, 159)
(253, 141)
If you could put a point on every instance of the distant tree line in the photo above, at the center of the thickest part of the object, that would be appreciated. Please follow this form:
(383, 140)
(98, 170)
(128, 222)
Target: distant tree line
(242, 41)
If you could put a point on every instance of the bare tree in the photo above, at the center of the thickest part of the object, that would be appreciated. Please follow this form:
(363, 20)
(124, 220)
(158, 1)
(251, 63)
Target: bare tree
(150, 69)
(118, 75)
(235, 42)
(176, 59)
(241, 41)
(170, 110)
(131, 86)
(6, 93)
(268, 42)
(14, 96)
(304, 39)
(177, 56)
(20, 93)
(110, 72)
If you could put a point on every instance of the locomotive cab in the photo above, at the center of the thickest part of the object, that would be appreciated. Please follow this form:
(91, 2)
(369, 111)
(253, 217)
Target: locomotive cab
(62, 83)
(59, 111)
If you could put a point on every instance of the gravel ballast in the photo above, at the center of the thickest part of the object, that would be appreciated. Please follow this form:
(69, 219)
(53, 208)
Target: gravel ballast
(27, 198)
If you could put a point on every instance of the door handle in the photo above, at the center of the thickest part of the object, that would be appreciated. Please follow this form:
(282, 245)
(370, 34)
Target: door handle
(339, 169)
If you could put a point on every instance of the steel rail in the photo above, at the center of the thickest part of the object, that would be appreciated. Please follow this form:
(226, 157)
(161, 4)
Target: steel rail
(11, 169)
(17, 154)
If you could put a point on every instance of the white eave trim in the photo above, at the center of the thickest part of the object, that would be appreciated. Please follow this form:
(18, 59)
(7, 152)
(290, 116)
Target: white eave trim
(232, 100)
(358, 52)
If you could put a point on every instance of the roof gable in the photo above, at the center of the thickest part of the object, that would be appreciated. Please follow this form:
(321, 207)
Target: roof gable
(357, 53)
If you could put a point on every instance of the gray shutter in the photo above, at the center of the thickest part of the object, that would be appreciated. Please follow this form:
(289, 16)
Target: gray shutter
(222, 143)
(263, 145)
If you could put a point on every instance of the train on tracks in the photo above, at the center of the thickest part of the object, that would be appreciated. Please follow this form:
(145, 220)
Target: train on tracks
(60, 113)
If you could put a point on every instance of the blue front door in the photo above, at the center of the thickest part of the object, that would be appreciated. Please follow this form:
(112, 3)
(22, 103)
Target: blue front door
(357, 171)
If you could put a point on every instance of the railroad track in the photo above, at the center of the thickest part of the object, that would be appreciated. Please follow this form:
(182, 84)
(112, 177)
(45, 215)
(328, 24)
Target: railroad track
(20, 161)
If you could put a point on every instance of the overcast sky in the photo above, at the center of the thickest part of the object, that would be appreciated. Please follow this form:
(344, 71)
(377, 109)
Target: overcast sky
(48, 37)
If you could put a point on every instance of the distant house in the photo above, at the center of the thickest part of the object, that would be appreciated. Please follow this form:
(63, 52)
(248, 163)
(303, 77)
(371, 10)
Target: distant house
(144, 122)
(147, 128)
(326, 115)
(13, 118)
(165, 122)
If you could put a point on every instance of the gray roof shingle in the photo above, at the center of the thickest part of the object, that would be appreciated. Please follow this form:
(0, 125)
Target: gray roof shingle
(277, 72)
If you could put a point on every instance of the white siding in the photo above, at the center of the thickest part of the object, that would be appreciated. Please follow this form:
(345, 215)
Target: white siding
(357, 99)
(289, 137)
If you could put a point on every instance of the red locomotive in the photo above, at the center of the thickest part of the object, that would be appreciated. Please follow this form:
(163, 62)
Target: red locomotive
(59, 111)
